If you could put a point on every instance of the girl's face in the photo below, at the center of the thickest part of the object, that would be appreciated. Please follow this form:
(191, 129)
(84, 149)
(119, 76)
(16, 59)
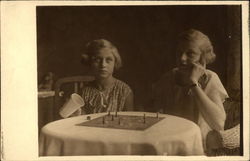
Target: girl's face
(188, 52)
(103, 63)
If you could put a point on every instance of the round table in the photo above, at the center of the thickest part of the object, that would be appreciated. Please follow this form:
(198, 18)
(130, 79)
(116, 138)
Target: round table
(170, 136)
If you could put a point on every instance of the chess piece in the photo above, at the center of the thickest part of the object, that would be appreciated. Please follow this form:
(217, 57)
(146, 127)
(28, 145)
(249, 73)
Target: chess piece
(157, 115)
(119, 122)
(88, 118)
(103, 120)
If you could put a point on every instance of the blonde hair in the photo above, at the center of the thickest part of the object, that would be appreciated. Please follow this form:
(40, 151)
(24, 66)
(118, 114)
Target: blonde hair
(94, 46)
(206, 45)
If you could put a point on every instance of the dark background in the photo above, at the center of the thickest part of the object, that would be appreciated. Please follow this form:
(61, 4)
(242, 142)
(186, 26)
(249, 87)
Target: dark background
(145, 37)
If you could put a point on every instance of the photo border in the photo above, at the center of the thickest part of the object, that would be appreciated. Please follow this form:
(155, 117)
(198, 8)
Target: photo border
(19, 71)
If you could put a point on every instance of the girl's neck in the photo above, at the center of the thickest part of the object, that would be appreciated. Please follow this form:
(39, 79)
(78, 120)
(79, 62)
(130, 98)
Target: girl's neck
(104, 83)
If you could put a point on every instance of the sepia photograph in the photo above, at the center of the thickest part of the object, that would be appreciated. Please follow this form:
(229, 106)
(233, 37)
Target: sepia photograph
(139, 80)
(134, 80)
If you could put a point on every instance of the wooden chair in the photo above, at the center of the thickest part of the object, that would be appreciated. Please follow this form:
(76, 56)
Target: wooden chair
(64, 87)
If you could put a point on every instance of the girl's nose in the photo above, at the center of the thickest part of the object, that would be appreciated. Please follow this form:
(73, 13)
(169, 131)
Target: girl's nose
(103, 63)
(183, 58)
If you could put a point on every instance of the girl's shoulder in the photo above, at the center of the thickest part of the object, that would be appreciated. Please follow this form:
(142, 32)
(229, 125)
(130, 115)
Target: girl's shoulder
(118, 84)
(211, 73)
(214, 86)
(212, 76)
(121, 85)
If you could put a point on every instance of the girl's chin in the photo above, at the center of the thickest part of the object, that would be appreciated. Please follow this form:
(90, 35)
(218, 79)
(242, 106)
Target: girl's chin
(103, 76)
(184, 65)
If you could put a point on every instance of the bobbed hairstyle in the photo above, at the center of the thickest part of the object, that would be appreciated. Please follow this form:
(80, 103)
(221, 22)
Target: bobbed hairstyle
(92, 48)
(205, 43)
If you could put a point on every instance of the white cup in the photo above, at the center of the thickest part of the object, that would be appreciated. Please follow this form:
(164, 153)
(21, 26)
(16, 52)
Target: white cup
(73, 104)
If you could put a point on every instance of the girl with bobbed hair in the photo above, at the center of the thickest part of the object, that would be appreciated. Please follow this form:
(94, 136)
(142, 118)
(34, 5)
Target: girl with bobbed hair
(94, 46)
(105, 93)
(190, 90)
(205, 45)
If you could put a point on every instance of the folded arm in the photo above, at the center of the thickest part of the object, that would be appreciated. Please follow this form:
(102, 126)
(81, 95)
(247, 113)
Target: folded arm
(211, 108)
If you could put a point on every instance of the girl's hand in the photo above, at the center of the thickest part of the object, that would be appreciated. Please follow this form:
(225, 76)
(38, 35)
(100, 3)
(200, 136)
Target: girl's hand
(182, 76)
(197, 71)
(189, 74)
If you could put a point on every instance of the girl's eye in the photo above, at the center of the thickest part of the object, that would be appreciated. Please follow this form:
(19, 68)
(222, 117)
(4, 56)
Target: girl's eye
(191, 54)
(97, 60)
(109, 60)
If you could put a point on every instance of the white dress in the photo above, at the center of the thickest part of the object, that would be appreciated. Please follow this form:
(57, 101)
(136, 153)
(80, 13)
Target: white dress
(173, 99)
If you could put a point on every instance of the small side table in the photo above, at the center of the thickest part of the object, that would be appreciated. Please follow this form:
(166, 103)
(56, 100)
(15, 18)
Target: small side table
(45, 108)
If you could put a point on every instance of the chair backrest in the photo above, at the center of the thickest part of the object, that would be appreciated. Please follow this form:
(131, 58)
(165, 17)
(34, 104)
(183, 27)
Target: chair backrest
(64, 87)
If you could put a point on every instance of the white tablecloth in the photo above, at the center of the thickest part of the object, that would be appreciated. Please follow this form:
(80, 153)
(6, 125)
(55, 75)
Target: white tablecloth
(170, 136)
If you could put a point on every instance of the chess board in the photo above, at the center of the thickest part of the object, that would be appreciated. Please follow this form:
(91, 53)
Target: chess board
(123, 122)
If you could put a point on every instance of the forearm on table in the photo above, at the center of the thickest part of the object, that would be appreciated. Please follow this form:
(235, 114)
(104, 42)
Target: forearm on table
(212, 112)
